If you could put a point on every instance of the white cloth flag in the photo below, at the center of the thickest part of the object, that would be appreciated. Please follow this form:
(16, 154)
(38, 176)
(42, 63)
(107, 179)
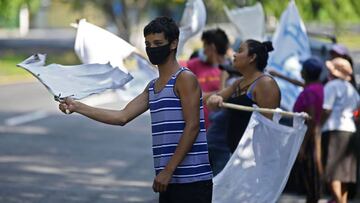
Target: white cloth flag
(77, 81)
(249, 21)
(142, 76)
(259, 168)
(96, 45)
(291, 45)
(192, 21)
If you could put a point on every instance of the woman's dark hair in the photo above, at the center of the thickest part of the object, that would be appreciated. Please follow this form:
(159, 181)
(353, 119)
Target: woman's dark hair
(261, 49)
(217, 37)
(165, 25)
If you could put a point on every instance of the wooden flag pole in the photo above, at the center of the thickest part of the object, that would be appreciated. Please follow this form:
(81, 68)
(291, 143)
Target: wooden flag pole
(263, 110)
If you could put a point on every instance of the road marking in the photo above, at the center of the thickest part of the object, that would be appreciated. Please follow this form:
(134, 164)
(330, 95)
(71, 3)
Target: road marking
(94, 100)
(26, 118)
(23, 130)
(100, 99)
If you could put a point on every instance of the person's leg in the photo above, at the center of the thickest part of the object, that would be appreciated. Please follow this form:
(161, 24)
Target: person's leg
(218, 159)
(219, 152)
(341, 166)
(335, 187)
(311, 182)
(344, 192)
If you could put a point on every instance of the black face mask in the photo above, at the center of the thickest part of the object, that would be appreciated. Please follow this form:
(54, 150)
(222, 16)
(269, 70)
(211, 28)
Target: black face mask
(158, 55)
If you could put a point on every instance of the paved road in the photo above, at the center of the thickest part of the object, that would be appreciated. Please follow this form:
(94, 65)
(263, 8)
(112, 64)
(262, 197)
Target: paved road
(61, 158)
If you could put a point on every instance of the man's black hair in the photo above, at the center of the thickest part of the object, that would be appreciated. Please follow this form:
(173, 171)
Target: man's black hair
(163, 24)
(217, 37)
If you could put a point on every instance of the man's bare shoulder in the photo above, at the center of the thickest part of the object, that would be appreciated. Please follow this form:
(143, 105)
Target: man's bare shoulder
(187, 77)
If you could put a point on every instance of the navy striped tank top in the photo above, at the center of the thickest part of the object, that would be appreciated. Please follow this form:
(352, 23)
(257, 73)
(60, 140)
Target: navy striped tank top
(168, 123)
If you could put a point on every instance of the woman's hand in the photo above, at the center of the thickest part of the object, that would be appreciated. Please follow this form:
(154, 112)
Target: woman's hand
(68, 105)
(214, 102)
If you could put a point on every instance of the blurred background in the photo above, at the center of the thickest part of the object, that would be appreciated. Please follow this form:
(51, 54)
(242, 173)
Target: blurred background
(30, 26)
(46, 156)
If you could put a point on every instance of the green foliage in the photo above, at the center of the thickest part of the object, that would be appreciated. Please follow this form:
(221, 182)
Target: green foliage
(336, 11)
(9, 72)
(9, 10)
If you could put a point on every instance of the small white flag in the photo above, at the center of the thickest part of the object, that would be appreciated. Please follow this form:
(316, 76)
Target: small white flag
(192, 22)
(77, 81)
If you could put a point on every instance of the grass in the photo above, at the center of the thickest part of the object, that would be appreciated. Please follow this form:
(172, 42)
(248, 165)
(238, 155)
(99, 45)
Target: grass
(350, 40)
(10, 73)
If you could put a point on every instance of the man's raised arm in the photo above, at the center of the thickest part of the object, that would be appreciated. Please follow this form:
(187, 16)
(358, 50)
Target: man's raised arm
(113, 117)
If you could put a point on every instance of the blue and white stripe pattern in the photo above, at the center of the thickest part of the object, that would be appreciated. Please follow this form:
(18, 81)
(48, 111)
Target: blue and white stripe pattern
(167, 128)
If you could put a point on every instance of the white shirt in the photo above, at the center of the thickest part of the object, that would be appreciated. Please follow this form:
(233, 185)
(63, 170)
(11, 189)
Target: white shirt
(343, 99)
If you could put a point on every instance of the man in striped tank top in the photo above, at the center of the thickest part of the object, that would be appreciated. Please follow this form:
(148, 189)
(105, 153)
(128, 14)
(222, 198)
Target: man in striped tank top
(180, 152)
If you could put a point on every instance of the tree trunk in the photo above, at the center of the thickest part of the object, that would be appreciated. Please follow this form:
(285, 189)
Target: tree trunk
(122, 21)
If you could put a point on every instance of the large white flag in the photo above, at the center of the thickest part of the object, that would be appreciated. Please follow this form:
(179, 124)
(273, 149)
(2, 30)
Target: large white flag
(259, 168)
(291, 45)
(192, 22)
(96, 45)
(77, 81)
(249, 21)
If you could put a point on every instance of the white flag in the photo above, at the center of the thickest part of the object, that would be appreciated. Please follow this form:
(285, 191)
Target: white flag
(249, 21)
(77, 81)
(192, 22)
(291, 45)
(260, 166)
(96, 45)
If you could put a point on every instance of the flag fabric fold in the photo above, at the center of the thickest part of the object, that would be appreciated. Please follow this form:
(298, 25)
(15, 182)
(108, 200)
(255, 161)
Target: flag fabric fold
(96, 45)
(78, 81)
(249, 21)
(259, 168)
(192, 22)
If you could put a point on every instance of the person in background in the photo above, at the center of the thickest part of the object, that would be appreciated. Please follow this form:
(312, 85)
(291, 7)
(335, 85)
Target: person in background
(254, 87)
(206, 65)
(340, 101)
(308, 169)
(219, 152)
(338, 50)
(308, 164)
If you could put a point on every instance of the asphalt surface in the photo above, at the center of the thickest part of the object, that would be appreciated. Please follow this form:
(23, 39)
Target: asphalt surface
(69, 158)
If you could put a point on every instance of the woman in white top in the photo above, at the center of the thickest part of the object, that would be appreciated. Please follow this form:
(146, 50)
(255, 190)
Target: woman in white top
(340, 101)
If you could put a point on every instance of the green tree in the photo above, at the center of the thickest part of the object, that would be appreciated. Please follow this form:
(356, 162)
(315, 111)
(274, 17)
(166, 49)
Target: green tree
(335, 11)
(127, 13)
(123, 13)
(9, 11)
